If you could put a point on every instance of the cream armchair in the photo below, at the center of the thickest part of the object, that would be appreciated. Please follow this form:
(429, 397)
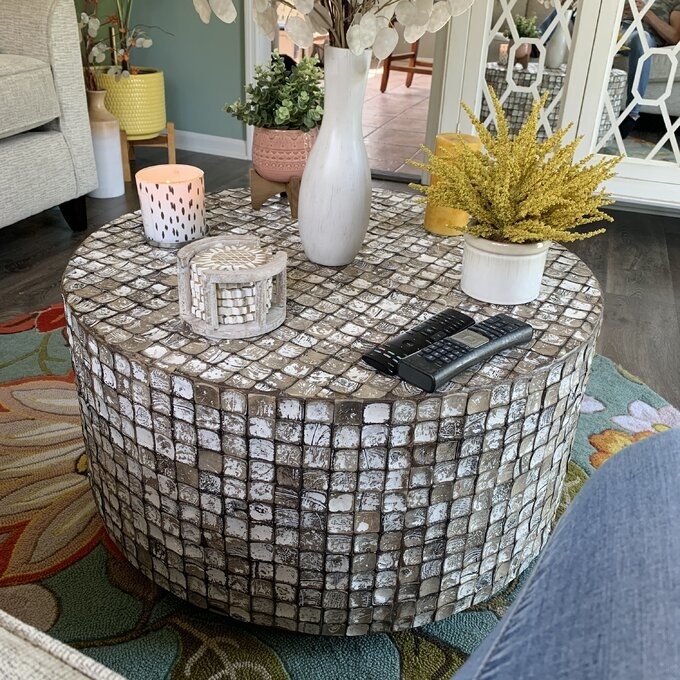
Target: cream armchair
(46, 156)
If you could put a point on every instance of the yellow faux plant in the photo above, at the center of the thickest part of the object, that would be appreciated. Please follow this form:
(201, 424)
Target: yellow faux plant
(519, 189)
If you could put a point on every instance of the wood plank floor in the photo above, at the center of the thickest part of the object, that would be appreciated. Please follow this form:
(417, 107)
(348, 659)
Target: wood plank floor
(637, 263)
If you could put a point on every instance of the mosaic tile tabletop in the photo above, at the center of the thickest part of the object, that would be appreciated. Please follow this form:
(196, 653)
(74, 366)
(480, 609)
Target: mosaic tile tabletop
(126, 290)
(280, 480)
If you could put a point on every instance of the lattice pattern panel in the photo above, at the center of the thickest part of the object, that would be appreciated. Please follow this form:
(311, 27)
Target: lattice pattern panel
(517, 106)
(518, 83)
(639, 45)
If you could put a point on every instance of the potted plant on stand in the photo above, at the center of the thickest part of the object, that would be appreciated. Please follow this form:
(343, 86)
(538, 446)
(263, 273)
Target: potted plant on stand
(136, 96)
(521, 194)
(284, 103)
(525, 27)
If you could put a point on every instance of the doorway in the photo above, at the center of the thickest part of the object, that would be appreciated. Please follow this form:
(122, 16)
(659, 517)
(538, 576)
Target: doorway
(396, 109)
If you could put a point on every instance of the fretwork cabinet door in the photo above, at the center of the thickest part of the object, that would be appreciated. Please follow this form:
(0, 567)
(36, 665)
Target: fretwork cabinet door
(582, 60)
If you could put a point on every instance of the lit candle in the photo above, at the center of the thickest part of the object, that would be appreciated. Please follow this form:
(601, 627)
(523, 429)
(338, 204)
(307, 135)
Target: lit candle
(439, 219)
(171, 198)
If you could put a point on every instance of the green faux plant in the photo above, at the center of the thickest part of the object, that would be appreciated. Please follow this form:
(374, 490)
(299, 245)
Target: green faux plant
(521, 190)
(279, 99)
(526, 28)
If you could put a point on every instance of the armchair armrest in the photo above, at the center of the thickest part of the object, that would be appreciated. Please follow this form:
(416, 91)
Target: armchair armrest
(48, 30)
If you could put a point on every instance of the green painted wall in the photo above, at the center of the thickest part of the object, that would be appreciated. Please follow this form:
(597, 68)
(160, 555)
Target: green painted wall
(203, 64)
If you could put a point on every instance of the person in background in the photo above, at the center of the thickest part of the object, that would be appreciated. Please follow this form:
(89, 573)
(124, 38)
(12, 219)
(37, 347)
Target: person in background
(662, 27)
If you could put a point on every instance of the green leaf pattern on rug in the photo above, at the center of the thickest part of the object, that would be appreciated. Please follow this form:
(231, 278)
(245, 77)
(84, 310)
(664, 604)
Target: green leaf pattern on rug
(576, 478)
(628, 375)
(426, 658)
(212, 650)
(33, 341)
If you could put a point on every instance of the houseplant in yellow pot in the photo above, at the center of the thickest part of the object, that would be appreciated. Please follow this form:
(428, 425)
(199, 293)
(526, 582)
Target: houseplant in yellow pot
(136, 96)
(521, 194)
(285, 105)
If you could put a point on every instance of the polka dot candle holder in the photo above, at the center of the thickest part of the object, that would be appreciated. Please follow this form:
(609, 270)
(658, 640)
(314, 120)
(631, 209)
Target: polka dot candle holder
(229, 287)
(171, 198)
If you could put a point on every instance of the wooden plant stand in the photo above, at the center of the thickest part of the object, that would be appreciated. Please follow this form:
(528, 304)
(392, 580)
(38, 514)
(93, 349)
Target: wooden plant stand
(262, 189)
(165, 140)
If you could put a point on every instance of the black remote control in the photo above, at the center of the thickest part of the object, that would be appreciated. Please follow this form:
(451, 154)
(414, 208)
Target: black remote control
(435, 365)
(385, 358)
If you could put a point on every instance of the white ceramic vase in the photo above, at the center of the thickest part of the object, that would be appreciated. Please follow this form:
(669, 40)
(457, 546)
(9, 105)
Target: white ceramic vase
(105, 131)
(557, 50)
(335, 193)
(502, 273)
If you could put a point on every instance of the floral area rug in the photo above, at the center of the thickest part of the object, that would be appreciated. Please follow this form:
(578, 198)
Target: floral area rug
(60, 573)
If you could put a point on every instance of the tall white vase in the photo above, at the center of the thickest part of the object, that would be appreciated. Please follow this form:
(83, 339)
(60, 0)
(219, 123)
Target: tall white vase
(105, 131)
(335, 193)
(557, 50)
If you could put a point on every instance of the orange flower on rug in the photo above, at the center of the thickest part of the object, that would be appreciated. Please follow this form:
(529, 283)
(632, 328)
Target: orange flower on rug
(641, 421)
(44, 321)
(610, 442)
(48, 518)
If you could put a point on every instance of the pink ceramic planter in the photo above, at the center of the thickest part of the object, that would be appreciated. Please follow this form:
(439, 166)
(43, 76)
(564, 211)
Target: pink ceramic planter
(279, 155)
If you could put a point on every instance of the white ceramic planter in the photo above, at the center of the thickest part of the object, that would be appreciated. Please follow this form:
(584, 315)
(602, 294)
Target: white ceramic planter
(502, 273)
(108, 158)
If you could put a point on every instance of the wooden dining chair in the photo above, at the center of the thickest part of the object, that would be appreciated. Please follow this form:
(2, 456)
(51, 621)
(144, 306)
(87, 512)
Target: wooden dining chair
(413, 65)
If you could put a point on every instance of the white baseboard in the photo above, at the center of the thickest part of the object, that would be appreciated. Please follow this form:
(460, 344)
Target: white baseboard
(635, 195)
(211, 144)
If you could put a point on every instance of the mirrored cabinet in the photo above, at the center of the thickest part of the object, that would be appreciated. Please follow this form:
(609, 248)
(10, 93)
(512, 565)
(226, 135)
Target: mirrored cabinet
(609, 67)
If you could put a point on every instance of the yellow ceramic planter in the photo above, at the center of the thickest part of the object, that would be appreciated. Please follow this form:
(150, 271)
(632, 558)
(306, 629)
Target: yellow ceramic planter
(440, 219)
(137, 101)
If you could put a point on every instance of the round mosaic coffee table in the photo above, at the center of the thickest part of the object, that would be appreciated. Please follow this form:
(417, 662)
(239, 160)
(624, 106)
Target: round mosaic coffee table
(280, 480)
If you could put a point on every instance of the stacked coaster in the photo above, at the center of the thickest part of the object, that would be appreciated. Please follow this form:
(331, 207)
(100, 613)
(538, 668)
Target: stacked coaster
(236, 303)
(229, 287)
